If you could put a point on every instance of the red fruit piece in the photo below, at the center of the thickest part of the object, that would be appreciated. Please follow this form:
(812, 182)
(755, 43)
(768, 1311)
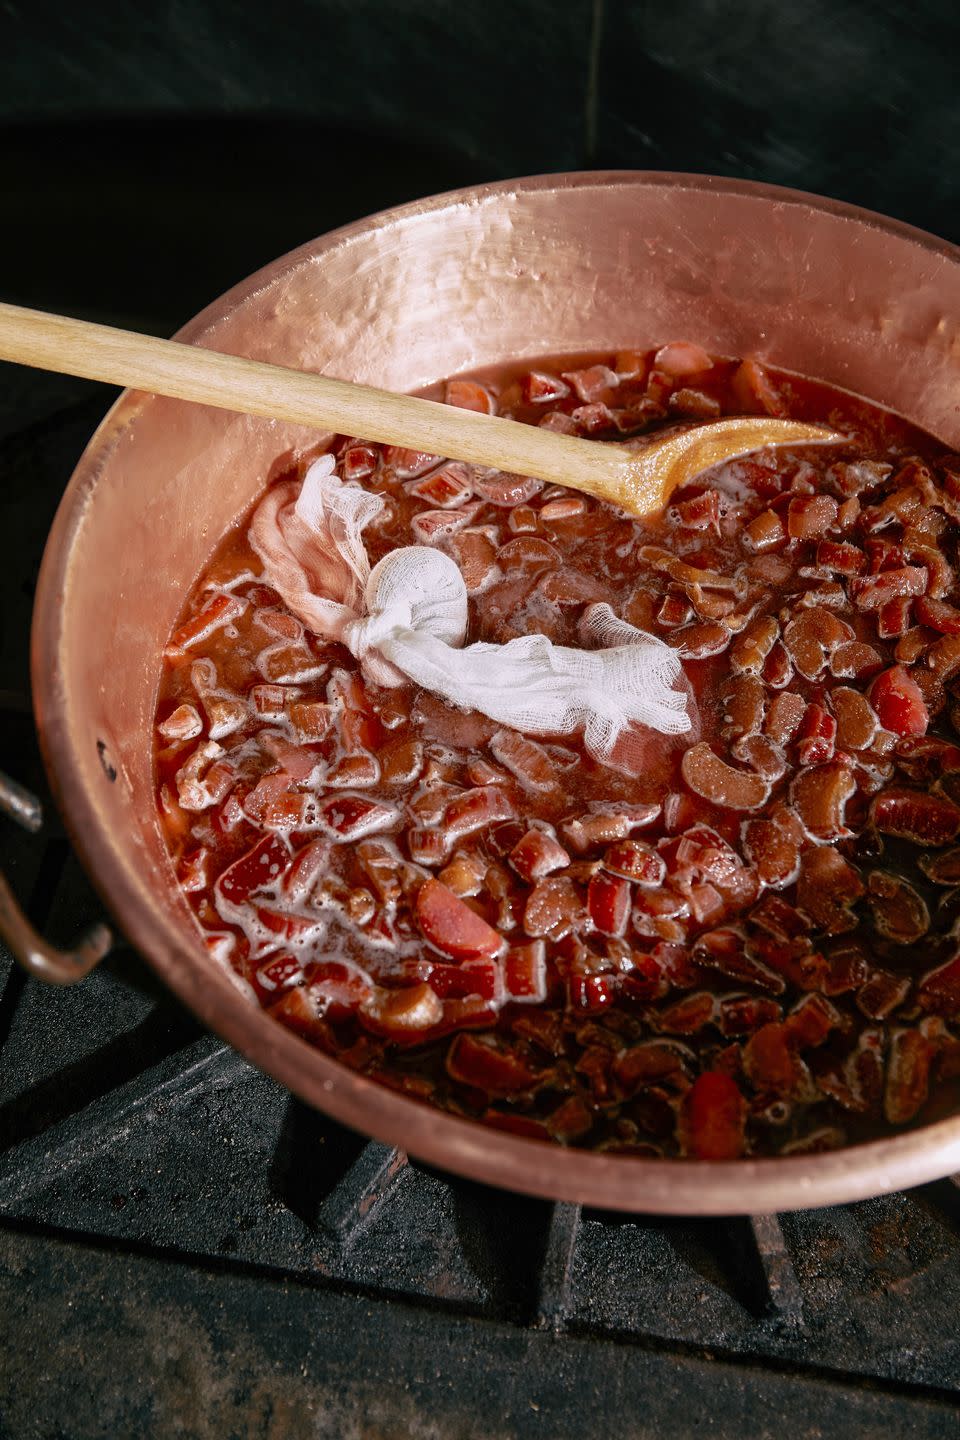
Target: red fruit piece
(713, 779)
(816, 736)
(937, 614)
(432, 526)
(538, 854)
(538, 388)
(769, 1062)
(474, 977)
(501, 487)
(898, 701)
(358, 461)
(872, 591)
(682, 357)
(350, 817)
(220, 611)
(451, 926)
(893, 619)
(468, 395)
(525, 759)
(475, 809)
(939, 991)
(753, 390)
(260, 869)
(908, 1076)
(810, 516)
(714, 1117)
(571, 1120)
(725, 951)
(592, 993)
(593, 383)
(402, 1014)
(486, 1067)
(842, 557)
(338, 989)
(552, 908)
(408, 463)
(525, 973)
(446, 488)
(608, 900)
(916, 815)
(192, 870)
(635, 860)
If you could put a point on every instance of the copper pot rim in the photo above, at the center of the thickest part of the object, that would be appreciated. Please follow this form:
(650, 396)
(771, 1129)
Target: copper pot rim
(467, 1148)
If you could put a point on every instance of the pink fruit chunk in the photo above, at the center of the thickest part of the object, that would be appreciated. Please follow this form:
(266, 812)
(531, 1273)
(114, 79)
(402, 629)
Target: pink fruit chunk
(872, 591)
(635, 860)
(350, 817)
(402, 1013)
(445, 488)
(939, 991)
(714, 1117)
(592, 383)
(592, 993)
(488, 1067)
(358, 461)
(608, 900)
(525, 973)
(451, 926)
(476, 556)
(713, 779)
(908, 1076)
(430, 527)
(409, 463)
(474, 977)
(260, 869)
(501, 488)
(538, 854)
(816, 736)
(525, 759)
(183, 724)
(220, 611)
(477, 808)
(899, 703)
(916, 815)
(810, 516)
(819, 795)
(468, 395)
(552, 909)
(682, 357)
(538, 388)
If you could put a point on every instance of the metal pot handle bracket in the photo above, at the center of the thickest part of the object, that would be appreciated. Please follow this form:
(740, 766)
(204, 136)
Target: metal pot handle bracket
(38, 958)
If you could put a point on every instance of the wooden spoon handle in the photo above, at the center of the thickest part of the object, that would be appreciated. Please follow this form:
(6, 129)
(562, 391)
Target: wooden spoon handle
(191, 372)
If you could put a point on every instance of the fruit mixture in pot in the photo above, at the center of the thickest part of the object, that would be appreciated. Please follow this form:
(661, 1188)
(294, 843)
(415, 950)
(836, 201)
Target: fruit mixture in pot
(739, 941)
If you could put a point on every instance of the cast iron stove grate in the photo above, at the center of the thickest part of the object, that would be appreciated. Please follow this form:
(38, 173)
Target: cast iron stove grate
(215, 1255)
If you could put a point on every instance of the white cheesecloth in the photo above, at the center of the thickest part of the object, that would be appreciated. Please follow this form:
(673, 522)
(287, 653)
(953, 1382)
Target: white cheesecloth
(407, 618)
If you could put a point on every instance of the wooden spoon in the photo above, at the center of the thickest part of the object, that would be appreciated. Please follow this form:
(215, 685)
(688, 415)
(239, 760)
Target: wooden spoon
(639, 480)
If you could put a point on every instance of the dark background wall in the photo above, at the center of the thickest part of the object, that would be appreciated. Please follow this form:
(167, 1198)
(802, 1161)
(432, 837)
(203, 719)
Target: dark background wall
(151, 156)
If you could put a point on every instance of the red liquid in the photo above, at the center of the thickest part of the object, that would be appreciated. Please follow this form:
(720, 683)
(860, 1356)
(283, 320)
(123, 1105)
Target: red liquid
(744, 946)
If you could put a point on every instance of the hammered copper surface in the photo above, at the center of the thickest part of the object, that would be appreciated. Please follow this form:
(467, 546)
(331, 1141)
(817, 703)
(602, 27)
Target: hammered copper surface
(559, 263)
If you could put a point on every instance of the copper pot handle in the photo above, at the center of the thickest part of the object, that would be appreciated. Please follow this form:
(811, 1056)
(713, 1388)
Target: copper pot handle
(38, 958)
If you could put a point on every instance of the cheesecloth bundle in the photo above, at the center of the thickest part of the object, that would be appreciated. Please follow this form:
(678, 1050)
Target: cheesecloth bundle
(406, 620)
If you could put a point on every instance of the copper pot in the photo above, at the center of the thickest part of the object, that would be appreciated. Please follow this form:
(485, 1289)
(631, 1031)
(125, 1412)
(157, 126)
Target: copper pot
(553, 264)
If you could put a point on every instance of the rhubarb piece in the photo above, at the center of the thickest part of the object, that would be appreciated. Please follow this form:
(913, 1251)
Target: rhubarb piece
(716, 781)
(914, 815)
(899, 703)
(714, 1118)
(449, 924)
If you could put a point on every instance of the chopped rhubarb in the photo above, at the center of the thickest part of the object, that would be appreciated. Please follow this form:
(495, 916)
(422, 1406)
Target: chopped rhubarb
(451, 926)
